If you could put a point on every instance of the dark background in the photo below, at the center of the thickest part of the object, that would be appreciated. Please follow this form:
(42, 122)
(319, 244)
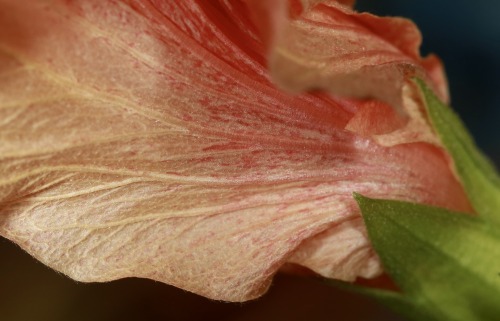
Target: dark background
(465, 34)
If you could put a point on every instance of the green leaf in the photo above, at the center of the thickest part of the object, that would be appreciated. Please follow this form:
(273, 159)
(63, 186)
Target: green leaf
(447, 264)
(476, 172)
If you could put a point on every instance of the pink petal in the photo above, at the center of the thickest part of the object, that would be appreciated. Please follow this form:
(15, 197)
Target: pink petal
(326, 45)
(144, 138)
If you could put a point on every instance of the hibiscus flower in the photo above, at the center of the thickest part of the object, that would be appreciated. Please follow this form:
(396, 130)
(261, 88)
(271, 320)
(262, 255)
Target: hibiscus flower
(168, 139)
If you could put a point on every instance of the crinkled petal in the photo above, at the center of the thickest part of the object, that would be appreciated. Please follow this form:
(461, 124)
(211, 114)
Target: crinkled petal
(327, 45)
(144, 138)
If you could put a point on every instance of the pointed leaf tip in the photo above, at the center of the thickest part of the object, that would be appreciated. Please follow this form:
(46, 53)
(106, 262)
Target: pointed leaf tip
(358, 197)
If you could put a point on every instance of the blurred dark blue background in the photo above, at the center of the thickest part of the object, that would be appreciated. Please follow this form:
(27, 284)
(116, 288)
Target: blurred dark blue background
(466, 35)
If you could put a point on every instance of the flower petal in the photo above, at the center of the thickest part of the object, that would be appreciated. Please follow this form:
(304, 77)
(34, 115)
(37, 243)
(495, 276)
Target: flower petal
(327, 45)
(144, 138)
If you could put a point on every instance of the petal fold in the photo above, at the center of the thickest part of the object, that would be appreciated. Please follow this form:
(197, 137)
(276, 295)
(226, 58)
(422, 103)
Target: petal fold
(327, 45)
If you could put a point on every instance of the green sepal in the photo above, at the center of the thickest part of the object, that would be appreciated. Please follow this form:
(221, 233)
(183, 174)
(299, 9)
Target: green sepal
(476, 172)
(447, 264)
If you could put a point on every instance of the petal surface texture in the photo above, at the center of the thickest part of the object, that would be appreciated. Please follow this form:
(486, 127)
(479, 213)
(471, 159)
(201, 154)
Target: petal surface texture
(326, 45)
(146, 139)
